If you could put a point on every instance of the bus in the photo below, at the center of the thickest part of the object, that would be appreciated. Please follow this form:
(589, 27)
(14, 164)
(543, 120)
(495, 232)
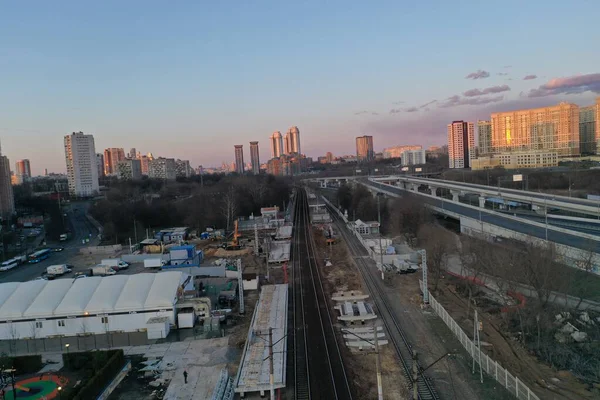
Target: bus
(39, 256)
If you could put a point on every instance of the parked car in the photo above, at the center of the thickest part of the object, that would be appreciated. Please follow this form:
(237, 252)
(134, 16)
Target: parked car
(58, 249)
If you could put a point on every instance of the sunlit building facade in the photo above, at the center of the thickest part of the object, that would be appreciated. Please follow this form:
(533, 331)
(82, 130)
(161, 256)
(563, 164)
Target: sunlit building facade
(239, 158)
(552, 129)
(396, 151)
(254, 158)
(364, 148)
(276, 142)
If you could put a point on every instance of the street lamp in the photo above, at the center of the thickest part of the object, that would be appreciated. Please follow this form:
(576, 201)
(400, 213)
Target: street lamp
(59, 392)
(67, 347)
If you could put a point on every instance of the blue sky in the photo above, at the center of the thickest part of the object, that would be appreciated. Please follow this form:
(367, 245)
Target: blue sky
(190, 80)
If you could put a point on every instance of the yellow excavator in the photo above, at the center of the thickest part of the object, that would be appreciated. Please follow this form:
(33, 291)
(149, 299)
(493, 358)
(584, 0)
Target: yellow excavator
(234, 244)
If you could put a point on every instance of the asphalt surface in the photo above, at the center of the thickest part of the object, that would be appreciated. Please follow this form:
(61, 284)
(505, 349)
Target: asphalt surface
(81, 229)
(523, 226)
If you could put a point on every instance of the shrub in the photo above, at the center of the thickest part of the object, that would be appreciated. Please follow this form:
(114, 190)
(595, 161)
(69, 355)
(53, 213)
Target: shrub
(100, 367)
(23, 364)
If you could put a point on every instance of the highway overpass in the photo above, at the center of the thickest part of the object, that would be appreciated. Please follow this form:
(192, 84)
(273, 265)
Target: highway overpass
(481, 220)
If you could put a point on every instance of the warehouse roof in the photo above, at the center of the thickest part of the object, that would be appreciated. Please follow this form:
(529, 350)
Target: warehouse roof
(93, 295)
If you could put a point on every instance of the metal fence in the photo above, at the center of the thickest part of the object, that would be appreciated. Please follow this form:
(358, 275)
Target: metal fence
(490, 366)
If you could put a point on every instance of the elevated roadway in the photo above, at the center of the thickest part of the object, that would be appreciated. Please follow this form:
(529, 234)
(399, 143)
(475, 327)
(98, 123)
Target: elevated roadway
(578, 240)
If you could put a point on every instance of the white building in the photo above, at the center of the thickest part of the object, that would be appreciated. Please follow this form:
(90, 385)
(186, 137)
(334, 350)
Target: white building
(162, 168)
(130, 169)
(461, 144)
(82, 170)
(93, 305)
(413, 157)
(183, 169)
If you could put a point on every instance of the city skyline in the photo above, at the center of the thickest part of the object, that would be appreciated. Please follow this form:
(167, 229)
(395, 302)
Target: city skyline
(138, 84)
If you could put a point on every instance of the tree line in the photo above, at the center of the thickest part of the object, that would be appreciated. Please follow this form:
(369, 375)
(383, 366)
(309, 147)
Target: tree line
(130, 208)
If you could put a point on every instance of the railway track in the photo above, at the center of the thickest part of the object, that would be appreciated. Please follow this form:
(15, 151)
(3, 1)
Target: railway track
(398, 338)
(319, 371)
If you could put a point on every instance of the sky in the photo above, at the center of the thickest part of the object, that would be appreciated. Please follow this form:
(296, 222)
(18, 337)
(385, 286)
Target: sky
(190, 79)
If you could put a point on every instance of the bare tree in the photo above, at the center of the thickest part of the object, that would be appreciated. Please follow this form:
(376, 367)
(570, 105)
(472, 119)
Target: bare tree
(33, 330)
(438, 243)
(408, 214)
(229, 206)
(13, 334)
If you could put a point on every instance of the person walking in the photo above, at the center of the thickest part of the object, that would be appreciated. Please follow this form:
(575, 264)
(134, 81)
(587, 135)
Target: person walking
(185, 376)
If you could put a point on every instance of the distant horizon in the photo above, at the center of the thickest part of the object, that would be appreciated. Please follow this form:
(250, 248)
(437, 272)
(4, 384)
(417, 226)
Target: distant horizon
(190, 80)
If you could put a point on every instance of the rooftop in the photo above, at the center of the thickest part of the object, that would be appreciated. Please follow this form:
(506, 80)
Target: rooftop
(270, 312)
(92, 295)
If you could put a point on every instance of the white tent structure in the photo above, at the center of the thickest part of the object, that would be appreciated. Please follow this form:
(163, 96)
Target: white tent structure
(68, 307)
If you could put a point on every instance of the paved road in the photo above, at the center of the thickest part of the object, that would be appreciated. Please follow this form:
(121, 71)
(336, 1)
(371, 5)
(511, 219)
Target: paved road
(81, 229)
(486, 216)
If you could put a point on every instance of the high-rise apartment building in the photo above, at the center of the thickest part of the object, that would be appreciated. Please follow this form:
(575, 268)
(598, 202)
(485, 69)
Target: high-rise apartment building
(484, 135)
(461, 144)
(547, 129)
(161, 168)
(133, 153)
(82, 171)
(129, 169)
(287, 144)
(239, 158)
(254, 158)
(293, 136)
(112, 156)
(413, 157)
(364, 148)
(589, 128)
(276, 143)
(183, 169)
(100, 164)
(23, 169)
(7, 199)
(145, 160)
(396, 151)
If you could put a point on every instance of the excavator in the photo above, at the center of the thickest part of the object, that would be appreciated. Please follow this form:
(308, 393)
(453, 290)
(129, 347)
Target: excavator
(234, 244)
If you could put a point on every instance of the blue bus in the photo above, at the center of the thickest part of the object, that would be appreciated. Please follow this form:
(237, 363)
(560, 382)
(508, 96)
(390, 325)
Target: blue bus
(39, 256)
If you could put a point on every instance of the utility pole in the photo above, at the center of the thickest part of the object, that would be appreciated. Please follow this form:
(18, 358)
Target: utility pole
(424, 268)
(378, 364)
(379, 194)
(240, 286)
(477, 345)
(271, 373)
(415, 375)
(375, 343)
(256, 239)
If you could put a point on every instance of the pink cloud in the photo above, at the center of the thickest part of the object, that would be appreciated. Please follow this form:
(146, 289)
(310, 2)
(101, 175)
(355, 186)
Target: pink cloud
(568, 85)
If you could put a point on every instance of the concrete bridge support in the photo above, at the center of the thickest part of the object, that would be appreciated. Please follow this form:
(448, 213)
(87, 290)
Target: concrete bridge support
(455, 195)
(482, 201)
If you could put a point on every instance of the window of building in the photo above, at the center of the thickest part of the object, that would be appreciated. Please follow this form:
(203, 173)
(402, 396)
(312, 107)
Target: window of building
(61, 323)
(104, 320)
(39, 325)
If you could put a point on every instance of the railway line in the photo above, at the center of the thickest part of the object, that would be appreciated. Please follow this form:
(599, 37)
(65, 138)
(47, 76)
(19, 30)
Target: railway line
(318, 369)
(396, 335)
